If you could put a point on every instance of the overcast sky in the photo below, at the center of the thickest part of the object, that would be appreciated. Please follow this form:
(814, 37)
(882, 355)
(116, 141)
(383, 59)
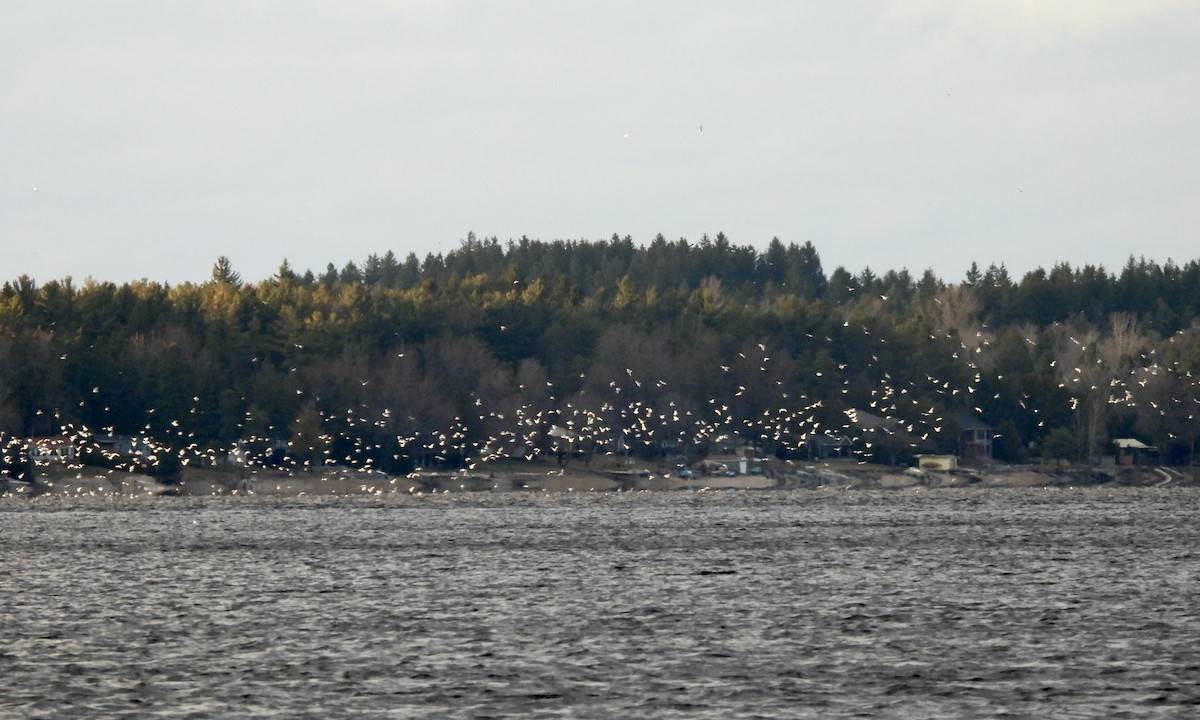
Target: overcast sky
(145, 139)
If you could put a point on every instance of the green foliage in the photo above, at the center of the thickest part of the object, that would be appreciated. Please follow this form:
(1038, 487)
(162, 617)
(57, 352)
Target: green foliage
(663, 348)
(1061, 444)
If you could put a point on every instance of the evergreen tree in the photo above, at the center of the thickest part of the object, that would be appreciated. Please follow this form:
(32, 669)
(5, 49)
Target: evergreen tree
(224, 274)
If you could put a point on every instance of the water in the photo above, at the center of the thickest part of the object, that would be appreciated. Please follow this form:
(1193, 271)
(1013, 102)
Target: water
(946, 604)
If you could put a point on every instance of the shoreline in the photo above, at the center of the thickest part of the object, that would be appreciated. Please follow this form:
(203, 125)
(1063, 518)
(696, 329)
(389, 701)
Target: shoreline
(836, 475)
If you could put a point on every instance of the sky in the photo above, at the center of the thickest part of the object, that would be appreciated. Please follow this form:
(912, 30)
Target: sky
(147, 139)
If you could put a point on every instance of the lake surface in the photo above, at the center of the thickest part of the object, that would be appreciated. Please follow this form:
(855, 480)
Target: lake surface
(945, 604)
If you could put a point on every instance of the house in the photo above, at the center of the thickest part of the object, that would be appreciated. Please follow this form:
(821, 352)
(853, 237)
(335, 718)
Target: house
(55, 449)
(974, 440)
(889, 436)
(868, 422)
(732, 444)
(1131, 451)
(114, 444)
(827, 445)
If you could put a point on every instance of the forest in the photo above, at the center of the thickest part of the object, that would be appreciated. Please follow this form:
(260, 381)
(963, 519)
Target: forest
(502, 350)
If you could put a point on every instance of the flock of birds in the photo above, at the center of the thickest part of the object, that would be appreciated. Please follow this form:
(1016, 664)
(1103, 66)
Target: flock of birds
(639, 413)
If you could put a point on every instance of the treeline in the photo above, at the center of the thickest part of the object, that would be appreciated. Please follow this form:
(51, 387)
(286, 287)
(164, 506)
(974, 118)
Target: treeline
(508, 349)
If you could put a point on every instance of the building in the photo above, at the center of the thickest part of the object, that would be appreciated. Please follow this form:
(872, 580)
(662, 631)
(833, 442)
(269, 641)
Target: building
(974, 440)
(114, 444)
(55, 449)
(1131, 451)
(732, 444)
(821, 447)
(888, 439)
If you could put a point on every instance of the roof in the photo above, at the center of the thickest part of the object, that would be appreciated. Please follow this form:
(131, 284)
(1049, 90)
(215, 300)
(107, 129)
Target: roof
(829, 440)
(1132, 444)
(966, 421)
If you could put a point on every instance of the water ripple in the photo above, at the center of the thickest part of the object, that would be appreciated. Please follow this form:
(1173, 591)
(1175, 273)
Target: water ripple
(806, 604)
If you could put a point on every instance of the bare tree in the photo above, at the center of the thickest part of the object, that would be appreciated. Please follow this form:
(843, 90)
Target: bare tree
(1093, 366)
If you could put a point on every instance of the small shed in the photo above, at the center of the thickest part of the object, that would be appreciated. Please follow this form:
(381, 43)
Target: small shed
(1131, 451)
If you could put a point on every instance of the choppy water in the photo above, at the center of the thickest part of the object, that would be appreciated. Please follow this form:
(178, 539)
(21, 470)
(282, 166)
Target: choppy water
(955, 604)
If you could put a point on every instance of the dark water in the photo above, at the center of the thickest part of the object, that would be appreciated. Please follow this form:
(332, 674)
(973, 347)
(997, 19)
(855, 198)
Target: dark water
(951, 604)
